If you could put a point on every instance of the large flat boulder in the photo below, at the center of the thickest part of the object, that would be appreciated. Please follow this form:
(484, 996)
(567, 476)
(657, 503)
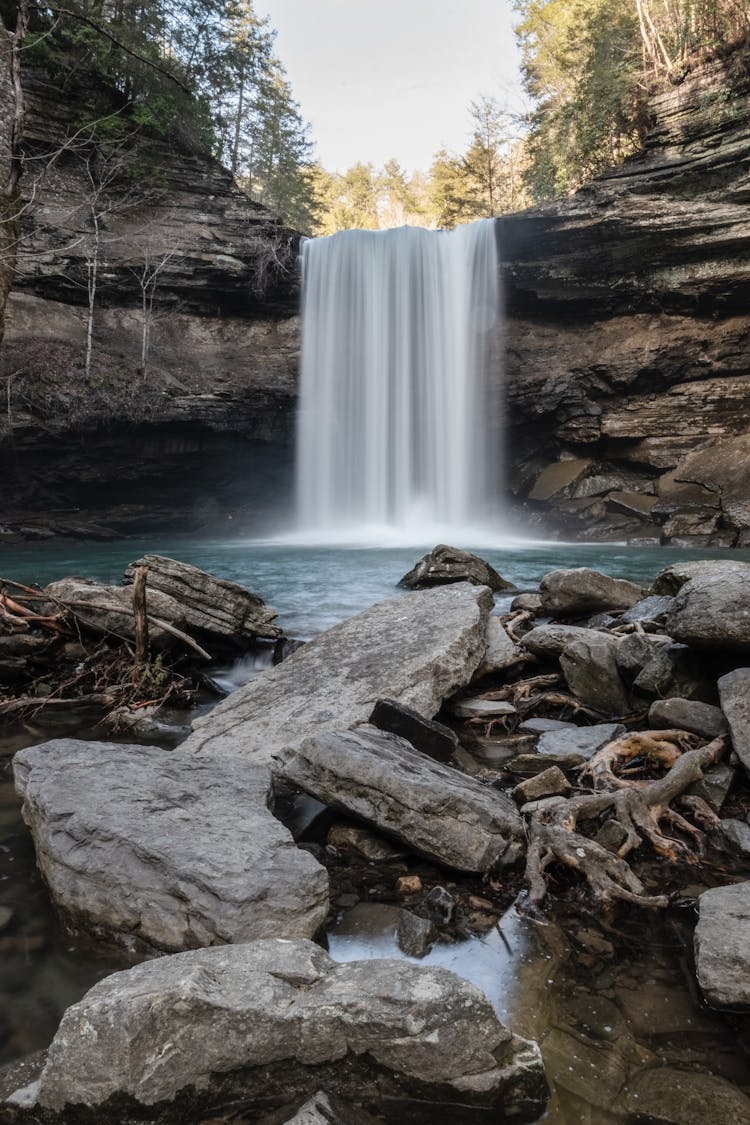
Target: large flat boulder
(273, 1021)
(712, 611)
(722, 941)
(415, 649)
(580, 591)
(214, 608)
(167, 848)
(433, 808)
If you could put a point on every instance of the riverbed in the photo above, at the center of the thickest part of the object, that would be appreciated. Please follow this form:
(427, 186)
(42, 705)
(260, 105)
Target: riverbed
(605, 1014)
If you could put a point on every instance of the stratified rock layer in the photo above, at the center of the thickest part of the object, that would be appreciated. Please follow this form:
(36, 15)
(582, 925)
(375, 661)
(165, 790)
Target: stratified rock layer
(269, 1019)
(213, 607)
(415, 649)
(433, 808)
(167, 848)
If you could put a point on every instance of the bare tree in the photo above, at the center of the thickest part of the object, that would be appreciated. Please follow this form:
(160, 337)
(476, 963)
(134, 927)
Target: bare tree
(155, 259)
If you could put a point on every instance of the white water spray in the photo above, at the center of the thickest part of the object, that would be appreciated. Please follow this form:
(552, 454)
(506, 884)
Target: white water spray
(399, 425)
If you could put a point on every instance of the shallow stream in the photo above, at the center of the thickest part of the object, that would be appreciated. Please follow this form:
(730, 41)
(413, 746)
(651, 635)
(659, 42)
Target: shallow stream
(623, 1030)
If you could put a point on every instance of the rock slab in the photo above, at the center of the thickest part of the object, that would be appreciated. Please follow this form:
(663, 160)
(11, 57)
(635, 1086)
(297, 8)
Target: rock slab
(272, 1017)
(433, 808)
(415, 649)
(213, 607)
(173, 850)
(722, 941)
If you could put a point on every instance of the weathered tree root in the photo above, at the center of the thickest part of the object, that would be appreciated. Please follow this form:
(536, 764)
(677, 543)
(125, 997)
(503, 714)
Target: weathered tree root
(661, 747)
(639, 810)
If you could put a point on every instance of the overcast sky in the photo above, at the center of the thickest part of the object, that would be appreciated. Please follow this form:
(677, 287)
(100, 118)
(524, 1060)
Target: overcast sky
(382, 78)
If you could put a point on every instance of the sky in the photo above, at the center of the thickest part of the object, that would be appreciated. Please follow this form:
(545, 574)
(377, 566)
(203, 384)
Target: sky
(394, 78)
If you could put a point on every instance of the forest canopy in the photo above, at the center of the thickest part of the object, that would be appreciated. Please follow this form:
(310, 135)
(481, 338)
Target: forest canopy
(205, 72)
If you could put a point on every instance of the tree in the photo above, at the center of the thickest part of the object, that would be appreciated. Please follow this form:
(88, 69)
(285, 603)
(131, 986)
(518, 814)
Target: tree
(590, 65)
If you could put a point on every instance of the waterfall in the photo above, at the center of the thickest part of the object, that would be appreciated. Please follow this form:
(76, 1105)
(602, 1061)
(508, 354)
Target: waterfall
(399, 426)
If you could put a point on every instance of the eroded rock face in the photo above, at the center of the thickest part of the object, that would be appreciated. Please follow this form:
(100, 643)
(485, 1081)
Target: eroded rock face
(593, 368)
(450, 564)
(433, 808)
(213, 607)
(166, 848)
(273, 1018)
(415, 649)
(549, 641)
(574, 593)
(722, 939)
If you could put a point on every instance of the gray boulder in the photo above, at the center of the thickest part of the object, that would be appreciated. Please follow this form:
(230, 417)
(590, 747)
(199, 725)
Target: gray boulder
(722, 940)
(501, 652)
(637, 650)
(444, 565)
(671, 580)
(273, 1020)
(415, 649)
(656, 667)
(687, 714)
(713, 612)
(574, 593)
(548, 641)
(734, 696)
(166, 848)
(214, 608)
(579, 743)
(590, 669)
(433, 808)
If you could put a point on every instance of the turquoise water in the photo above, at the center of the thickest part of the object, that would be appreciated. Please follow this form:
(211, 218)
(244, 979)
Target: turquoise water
(314, 587)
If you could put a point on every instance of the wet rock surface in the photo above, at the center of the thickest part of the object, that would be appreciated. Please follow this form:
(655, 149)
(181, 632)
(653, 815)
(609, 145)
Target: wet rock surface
(436, 810)
(415, 649)
(233, 1019)
(164, 848)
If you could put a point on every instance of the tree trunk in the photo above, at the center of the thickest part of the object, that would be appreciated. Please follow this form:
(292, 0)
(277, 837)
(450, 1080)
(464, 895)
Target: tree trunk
(140, 615)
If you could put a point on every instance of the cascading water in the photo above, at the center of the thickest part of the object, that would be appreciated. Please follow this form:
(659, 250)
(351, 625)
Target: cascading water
(399, 423)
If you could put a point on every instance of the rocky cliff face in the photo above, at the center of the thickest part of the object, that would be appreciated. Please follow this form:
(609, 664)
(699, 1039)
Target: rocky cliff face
(628, 337)
(629, 332)
(128, 441)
